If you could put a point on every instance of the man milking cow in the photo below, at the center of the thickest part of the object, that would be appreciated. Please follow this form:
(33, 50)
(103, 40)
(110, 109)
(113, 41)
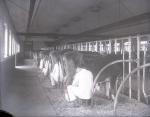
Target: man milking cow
(79, 81)
(68, 69)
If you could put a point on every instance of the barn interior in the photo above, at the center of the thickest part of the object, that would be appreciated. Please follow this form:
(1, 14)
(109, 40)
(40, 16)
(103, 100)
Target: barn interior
(112, 35)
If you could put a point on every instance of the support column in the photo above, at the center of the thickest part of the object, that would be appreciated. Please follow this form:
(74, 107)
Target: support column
(100, 44)
(143, 83)
(81, 46)
(112, 46)
(130, 81)
(78, 46)
(138, 72)
(86, 46)
(90, 46)
(123, 58)
(110, 51)
(115, 46)
(104, 45)
(96, 46)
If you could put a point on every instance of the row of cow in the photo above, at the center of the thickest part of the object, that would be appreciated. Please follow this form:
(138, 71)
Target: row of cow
(75, 71)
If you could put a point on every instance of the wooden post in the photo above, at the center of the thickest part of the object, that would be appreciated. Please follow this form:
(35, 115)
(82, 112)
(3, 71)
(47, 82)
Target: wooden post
(104, 46)
(76, 46)
(130, 82)
(15, 59)
(100, 47)
(138, 64)
(143, 84)
(110, 47)
(69, 46)
(65, 47)
(73, 46)
(89, 46)
(85, 46)
(92, 46)
(115, 46)
(96, 46)
(80, 46)
(123, 58)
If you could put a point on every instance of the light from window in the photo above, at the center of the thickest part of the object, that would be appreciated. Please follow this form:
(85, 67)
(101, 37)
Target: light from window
(10, 41)
(6, 41)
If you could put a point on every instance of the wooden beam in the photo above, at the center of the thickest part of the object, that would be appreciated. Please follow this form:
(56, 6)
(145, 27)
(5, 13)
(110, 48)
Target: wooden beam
(31, 10)
(30, 34)
(36, 7)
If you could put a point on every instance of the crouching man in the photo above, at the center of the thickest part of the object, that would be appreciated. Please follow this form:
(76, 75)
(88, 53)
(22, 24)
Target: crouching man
(80, 81)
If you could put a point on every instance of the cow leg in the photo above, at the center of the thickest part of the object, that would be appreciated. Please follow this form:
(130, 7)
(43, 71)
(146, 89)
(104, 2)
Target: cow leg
(108, 87)
(113, 86)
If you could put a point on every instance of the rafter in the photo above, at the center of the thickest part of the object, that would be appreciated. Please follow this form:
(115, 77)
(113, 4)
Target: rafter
(31, 10)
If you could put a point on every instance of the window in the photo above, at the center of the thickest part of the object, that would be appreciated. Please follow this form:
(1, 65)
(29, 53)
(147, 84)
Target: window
(101, 48)
(6, 41)
(127, 46)
(108, 48)
(10, 41)
(1, 41)
(13, 45)
(117, 47)
(8, 44)
(144, 45)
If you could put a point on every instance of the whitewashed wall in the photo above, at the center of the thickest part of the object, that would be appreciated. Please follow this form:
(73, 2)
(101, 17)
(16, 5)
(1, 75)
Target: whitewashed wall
(6, 64)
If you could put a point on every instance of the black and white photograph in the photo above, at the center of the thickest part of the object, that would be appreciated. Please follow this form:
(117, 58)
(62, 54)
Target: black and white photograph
(74, 58)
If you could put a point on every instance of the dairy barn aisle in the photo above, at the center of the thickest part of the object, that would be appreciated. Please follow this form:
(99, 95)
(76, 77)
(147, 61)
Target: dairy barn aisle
(94, 51)
(28, 94)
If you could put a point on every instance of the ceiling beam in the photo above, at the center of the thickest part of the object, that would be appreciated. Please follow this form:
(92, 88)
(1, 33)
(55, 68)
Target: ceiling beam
(55, 35)
(30, 34)
(132, 21)
(31, 10)
(36, 7)
(81, 39)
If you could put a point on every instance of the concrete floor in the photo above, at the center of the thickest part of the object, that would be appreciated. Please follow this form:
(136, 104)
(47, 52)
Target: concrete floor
(28, 94)
(24, 95)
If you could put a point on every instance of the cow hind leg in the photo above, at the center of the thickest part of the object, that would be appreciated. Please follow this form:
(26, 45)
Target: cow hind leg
(113, 87)
(107, 88)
